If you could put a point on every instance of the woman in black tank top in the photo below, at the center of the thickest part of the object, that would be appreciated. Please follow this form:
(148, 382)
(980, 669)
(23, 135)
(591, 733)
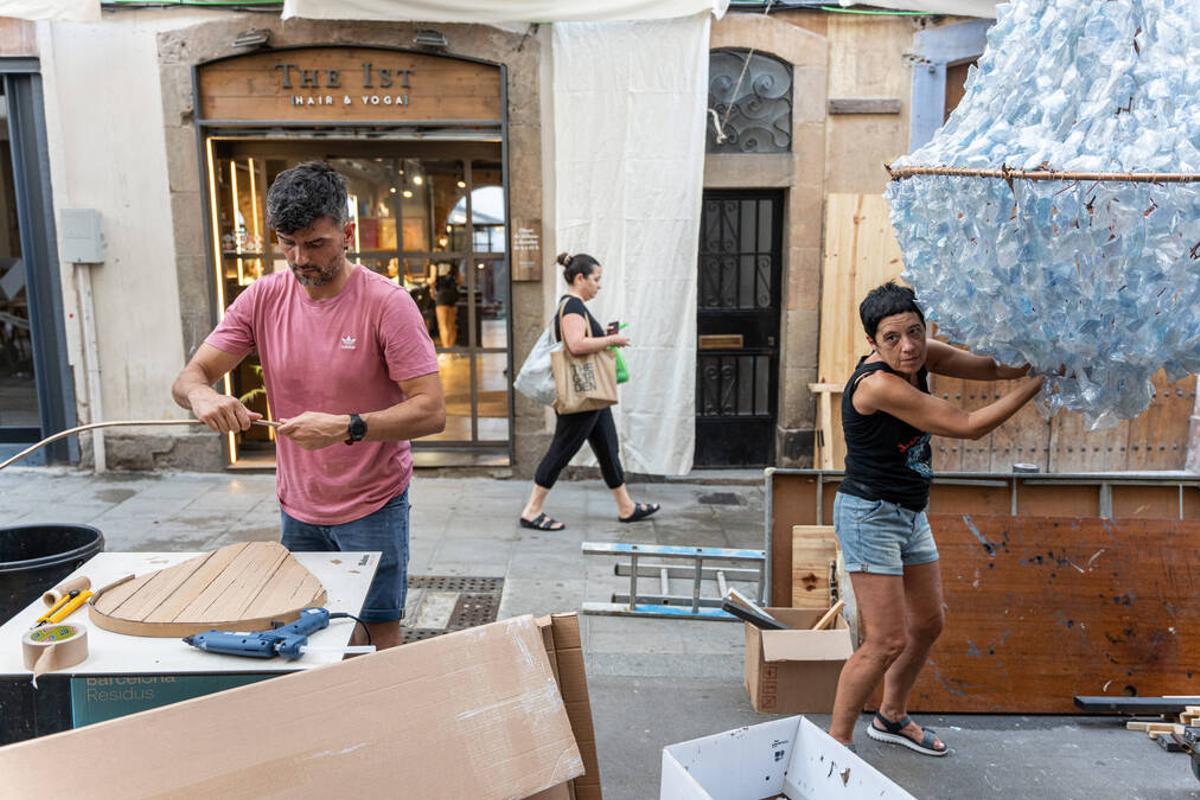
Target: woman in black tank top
(888, 417)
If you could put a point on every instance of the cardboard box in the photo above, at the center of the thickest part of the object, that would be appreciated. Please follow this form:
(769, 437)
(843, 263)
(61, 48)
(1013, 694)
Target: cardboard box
(470, 714)
(790, 757)
(795, 671)
(564, 646)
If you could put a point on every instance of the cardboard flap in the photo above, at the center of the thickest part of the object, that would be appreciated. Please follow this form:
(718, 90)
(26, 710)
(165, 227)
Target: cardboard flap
(831, 645)
(470, 714)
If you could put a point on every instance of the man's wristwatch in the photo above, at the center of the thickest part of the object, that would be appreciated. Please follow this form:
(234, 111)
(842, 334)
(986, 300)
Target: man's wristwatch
(357, 430)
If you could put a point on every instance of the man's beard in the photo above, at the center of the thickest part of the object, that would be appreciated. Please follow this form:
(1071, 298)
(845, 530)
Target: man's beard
(324, 277)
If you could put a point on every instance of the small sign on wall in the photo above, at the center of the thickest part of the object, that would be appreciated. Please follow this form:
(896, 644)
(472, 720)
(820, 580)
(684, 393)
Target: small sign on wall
(527, 250)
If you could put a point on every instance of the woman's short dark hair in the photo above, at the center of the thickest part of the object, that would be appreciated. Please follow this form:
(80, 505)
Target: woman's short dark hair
(305, 193)
(887, 301)
(576, 265)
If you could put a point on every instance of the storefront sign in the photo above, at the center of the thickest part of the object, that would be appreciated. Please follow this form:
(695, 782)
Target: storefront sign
(527, 251)
(348, 85)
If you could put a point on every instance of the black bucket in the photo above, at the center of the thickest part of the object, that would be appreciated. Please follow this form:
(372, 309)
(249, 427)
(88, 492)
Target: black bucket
(35, 558)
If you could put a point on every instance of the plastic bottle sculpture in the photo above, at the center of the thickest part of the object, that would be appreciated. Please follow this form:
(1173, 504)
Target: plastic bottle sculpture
(1055, 218)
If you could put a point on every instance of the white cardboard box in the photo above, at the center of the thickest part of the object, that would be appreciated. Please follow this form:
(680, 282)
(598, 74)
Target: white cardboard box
(791, 757)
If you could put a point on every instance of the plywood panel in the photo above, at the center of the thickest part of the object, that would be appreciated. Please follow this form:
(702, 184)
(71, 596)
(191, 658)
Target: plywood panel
(814, 547)
(1145, 502)
(1042, 609)
(349, 84)
(1158, 438)
(959, 499)
(1024, 439)
(793, 502)
(860, 253)
(1061, 500)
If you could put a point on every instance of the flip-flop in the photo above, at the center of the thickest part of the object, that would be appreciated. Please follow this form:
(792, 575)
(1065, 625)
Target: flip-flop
(641, 511)
(892, 735)
(542, 523)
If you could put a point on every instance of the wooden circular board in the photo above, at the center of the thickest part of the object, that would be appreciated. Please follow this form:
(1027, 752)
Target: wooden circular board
(243, 587)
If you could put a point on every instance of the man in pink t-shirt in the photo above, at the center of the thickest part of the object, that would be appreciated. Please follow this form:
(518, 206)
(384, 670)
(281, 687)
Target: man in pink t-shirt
(351, 373)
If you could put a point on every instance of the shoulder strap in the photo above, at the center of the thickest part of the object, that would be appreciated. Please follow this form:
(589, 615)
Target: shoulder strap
(586, 323)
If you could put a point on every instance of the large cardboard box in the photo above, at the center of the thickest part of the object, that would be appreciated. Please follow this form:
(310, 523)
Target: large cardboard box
(564, 646)
(795, 671)
(790, 758)
(473, 714)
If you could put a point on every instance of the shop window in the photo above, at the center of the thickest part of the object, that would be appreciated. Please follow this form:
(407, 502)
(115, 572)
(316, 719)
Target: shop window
(750, 100)
(436, 226)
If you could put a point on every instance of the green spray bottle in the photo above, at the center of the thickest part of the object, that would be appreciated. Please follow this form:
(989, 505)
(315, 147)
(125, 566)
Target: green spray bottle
(622, 370)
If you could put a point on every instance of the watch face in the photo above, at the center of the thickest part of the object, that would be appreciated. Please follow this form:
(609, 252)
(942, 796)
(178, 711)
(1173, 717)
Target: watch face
(358, 428)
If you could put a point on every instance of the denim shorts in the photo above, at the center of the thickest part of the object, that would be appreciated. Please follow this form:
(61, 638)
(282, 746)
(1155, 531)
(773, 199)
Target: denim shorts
(386, 530)
(881, 537)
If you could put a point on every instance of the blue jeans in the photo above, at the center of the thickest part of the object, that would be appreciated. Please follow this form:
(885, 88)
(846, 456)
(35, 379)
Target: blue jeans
(881, 537)
(386, 530)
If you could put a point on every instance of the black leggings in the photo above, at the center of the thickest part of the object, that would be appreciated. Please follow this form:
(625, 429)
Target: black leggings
(570, 432)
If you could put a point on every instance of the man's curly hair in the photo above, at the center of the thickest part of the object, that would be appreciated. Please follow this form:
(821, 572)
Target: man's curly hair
(303, 194)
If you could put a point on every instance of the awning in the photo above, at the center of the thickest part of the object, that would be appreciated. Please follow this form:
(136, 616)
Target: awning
(59, 10)
(498, 11)
(985, 9)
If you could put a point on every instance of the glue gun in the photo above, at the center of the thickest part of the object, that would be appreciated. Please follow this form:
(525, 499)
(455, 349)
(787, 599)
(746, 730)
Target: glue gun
(289, 641)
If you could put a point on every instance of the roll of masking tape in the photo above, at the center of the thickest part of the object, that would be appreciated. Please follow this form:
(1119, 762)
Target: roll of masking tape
(53, 647)
(58, 592)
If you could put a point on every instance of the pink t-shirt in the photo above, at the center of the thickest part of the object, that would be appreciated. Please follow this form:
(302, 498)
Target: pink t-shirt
(343, 355)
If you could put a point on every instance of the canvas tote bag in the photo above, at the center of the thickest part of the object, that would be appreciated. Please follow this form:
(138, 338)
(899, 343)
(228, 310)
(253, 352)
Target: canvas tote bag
(582, 383)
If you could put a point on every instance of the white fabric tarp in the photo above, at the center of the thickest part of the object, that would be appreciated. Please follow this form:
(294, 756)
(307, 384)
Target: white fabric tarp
(495, 11)
(985, 9)
(629, 106)
(58, 10)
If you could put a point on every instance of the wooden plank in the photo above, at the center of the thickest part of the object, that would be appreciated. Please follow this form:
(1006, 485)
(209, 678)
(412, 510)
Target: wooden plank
(976, 454)
(168, 610)
(1145, 502)
(813, 548)
(1042, 500)
(234, 602)
(947, 452)
(1040, 610)
(793, 501)
(1157, 439)
(864, 105)
(861, 253)
(1023, 439)
(157, 588)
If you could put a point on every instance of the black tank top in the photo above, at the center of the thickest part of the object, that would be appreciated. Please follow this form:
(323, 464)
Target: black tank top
(886, 458)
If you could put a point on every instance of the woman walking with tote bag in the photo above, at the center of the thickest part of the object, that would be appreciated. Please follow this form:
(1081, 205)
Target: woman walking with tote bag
(582, 335)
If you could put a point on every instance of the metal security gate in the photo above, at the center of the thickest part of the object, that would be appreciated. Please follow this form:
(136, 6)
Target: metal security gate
(737, 359)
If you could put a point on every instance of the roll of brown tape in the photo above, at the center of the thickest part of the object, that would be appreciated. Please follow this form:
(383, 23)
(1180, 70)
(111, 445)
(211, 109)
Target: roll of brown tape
(53, 647)
(74, 585)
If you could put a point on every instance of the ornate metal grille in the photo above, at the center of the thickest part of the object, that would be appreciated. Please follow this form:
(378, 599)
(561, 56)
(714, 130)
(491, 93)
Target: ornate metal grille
(736, 254)
(756, 116)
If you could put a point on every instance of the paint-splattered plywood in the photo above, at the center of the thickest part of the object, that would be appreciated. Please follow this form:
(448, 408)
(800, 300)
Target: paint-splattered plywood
(1041, 609)
(244, 586)
(814, 549)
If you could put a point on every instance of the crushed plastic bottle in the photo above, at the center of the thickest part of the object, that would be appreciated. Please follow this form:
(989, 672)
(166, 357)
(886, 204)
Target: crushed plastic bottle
(1102, 277)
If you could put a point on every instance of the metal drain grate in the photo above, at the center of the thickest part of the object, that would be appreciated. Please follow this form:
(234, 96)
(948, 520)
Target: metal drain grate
(474, 609)
(720, 499)
(478, 602)
(456, 583)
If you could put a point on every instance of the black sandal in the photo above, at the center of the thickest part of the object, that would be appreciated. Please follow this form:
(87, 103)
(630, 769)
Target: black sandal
(640, 511)
(542, 523)
(892, 735)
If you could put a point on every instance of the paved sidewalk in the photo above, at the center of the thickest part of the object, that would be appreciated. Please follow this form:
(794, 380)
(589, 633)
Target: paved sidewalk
(653, 682)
